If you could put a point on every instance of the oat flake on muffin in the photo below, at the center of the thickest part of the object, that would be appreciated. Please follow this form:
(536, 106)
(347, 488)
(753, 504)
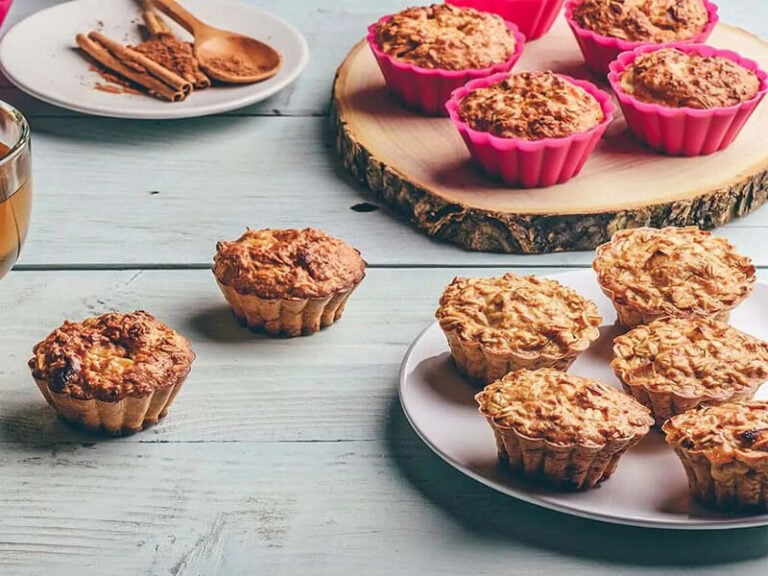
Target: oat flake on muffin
(531, 106)
(445, 37)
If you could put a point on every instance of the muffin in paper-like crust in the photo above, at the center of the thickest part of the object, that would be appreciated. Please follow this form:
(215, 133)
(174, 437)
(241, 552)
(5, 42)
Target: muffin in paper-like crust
(676, 364)
(672, 78)
(115, 373)
(496, 325)
(643, 20)
(651, 273)
(562, 429)
(531, 106)
(287, 282)
(445, 37)
(724, 450)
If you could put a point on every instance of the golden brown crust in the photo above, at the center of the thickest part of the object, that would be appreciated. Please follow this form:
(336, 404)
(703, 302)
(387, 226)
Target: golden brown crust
(675, 79)
(111, 357)
(563, 409)
(643, 20)
(672, 272)
(531, 106)
(527, 315)
(288, 264)
(696, 358)
(445, 37)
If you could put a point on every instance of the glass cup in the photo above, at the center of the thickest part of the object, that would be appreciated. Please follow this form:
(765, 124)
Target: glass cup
(15, 184)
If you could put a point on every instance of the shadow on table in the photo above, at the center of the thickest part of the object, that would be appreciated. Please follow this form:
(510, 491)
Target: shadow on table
(33, 426)
(218, 324)
(492, 516)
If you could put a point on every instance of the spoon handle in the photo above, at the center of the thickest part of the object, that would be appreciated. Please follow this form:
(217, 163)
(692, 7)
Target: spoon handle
(180, 15)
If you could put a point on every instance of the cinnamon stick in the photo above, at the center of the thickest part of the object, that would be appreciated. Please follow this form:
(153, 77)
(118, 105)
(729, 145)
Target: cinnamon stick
(129, 56)
(201, 80)
(155, 26)
(104, 57)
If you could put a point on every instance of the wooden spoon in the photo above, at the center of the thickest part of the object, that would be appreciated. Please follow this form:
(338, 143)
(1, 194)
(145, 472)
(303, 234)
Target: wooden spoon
(224, 55)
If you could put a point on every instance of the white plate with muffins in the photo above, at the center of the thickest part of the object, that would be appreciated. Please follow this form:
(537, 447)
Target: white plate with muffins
(633, 477)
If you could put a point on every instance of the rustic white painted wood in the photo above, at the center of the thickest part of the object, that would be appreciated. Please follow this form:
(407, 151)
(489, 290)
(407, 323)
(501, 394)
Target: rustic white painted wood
(93, 177)
(279, 457)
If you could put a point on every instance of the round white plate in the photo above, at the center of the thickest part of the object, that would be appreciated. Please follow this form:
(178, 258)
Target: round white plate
(39, 56)
(648, 489)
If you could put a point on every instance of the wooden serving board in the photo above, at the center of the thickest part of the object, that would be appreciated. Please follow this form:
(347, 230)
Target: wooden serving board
(420, 166)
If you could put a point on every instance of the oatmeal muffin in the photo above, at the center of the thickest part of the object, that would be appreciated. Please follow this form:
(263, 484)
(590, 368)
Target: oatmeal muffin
(116, 373)
(643, 20)
(561, 429)
(531, 106)
(287, 282)
(676, 364)
(672, 78)
(445, 37)
(724, 450)
(651, 273)
(496, 325)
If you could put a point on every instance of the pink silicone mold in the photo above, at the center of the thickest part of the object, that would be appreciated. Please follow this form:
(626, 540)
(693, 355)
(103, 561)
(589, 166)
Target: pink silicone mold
(5, 6)
(530, 163)
(599, 51)
(534, 18)
(685, 131)
(428, 89)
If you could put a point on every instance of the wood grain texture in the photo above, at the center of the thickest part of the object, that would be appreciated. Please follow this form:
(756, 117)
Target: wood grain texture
(279, 457)
(421, 167)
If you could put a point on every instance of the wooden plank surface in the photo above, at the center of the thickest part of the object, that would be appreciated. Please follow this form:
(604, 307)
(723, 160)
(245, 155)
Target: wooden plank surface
(280, 457)
(94, 177)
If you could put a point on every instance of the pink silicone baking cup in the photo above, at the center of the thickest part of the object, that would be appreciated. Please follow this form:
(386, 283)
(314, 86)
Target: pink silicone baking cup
(533, 18)
(428, 89)
(685, 131)
(599, 51)
(530, 163)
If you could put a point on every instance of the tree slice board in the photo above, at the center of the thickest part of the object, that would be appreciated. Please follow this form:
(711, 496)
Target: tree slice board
(420, 166)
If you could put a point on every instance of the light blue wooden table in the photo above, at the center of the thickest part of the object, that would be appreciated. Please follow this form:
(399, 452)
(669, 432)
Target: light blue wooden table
(279, 456)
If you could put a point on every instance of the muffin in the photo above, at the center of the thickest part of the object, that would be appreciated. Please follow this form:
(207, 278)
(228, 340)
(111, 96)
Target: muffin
(676, 364)
(115, 373)
(426, 52)
(534, 18)
(644, 21)
(686, 99)
(531, 128)
(497, 325)
(606, 28)
(287, 282)
(651, 273)
(724, 450)
(561, 429)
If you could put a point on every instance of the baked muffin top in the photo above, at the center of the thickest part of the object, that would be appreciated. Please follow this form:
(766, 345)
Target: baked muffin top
(562, 408)
(675, 79)
(736, 431)
(112, 356)
(445, 37)
(524, 314)
(288, 264)
(673, 271)
(643, 20)
(691, 357)
(531, 106)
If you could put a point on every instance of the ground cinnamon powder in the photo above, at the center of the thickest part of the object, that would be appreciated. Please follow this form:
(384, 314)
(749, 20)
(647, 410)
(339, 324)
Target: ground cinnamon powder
(172, 53)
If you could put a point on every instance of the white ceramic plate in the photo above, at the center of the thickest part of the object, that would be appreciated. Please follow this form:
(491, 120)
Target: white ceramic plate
(39, 56)
(648, 489)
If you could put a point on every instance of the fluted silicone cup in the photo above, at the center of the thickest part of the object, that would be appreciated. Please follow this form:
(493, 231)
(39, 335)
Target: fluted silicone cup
(599, 51)
(530, 163)
(685, 131)
(533, 18)
(5, 6)
(427, 89)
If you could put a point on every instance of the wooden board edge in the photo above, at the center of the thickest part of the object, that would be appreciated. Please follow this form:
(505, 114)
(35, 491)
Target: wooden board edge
(487, 231)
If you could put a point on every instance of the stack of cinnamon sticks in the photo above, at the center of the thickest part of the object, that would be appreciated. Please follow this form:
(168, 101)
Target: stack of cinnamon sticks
(163, 65)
